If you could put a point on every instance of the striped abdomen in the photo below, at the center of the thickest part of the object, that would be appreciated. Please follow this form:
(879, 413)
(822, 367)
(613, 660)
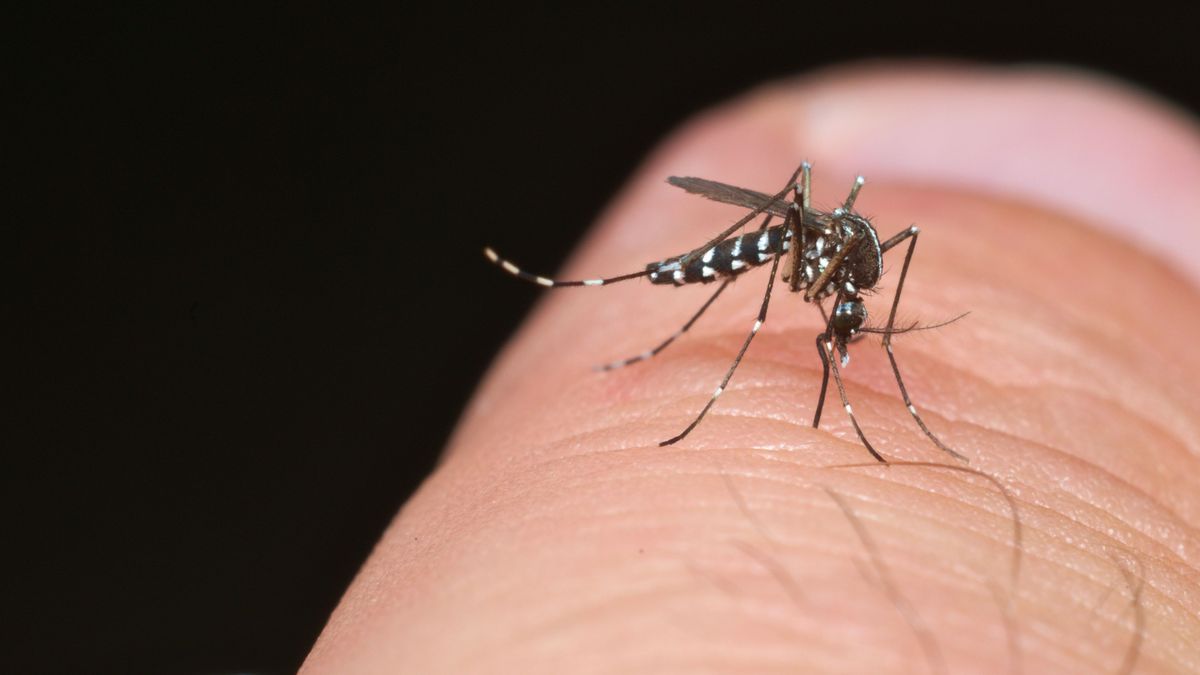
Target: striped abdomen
(728, 258)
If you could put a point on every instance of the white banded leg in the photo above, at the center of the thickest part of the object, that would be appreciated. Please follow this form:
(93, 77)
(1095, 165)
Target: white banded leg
(512, 269)
(829, 360)
(663, 345)
(910, 234)
(758, 323)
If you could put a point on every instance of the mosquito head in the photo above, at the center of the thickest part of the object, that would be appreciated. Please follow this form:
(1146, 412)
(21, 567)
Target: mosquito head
(848, 316)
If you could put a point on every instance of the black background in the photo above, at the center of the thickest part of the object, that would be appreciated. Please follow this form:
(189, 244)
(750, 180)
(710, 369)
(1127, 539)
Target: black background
(248, 300)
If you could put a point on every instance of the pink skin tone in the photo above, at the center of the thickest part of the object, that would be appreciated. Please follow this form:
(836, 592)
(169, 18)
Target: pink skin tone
(556, 536)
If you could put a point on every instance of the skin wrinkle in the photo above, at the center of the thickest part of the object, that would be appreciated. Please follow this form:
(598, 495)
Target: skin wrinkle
(1128, 487)
(1108, 474)
(636, 515)
(1004, 542)
(918, 569)
(1095, 528)
(775, 569)
(780, 622)
(1019, 392)
(841, 550)
(1124, 483)
(1054, 513)
(945, 366)
(1096, 531)
(1114, 621)
(920, 629)
(1005, 602)
(1136, 584)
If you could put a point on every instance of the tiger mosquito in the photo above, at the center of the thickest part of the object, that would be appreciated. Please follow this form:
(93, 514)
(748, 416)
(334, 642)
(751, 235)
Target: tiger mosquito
(840, 256)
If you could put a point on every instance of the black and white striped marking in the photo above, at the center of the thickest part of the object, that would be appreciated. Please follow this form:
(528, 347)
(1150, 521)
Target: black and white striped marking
(512, 269)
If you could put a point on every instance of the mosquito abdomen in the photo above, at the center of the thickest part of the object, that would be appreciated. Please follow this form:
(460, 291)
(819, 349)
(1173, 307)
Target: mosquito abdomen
(728, 258)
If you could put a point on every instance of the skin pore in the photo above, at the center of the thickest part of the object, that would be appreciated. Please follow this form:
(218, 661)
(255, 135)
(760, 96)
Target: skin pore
(556, 536)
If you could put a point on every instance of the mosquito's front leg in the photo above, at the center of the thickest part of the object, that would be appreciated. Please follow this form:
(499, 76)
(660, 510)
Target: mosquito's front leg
(910, 234)
(800, 199)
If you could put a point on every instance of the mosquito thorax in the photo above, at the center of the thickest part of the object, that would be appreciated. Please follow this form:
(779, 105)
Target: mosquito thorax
(864, 268)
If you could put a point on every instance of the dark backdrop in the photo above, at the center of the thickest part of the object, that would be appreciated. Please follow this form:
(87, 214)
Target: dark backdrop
(249, 300)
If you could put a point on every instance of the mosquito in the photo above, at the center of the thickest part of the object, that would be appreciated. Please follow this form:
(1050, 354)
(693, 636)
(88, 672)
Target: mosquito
(830, 254)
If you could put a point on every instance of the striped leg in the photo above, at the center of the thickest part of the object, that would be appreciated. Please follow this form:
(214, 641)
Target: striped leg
(663, 345)
(910, 234)
(829, 360)
(654, 352)
(762, 317)
(512, 269)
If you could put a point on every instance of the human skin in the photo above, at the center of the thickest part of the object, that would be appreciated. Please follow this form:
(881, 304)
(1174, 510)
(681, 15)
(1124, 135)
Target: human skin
(556, 536)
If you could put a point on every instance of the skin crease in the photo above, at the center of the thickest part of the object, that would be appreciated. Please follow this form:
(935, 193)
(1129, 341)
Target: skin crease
(556, 536)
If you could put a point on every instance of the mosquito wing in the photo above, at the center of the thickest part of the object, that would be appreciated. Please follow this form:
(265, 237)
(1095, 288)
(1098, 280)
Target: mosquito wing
(729, 194)
(746, 198)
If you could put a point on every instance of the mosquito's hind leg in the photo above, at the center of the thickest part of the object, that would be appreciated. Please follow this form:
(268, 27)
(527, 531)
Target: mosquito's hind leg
(513, 269)
(663, 345)
(910, 234)
(758, 323)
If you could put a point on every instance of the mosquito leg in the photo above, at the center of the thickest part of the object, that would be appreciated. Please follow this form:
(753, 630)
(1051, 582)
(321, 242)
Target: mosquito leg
(762, 317)
(821, 339)
(799, 228)
(512, 269)
(663, 345)
(850, 199)
(830, 361)
(910, 234)
(824, 379)
(891, 243)
(806, 183)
